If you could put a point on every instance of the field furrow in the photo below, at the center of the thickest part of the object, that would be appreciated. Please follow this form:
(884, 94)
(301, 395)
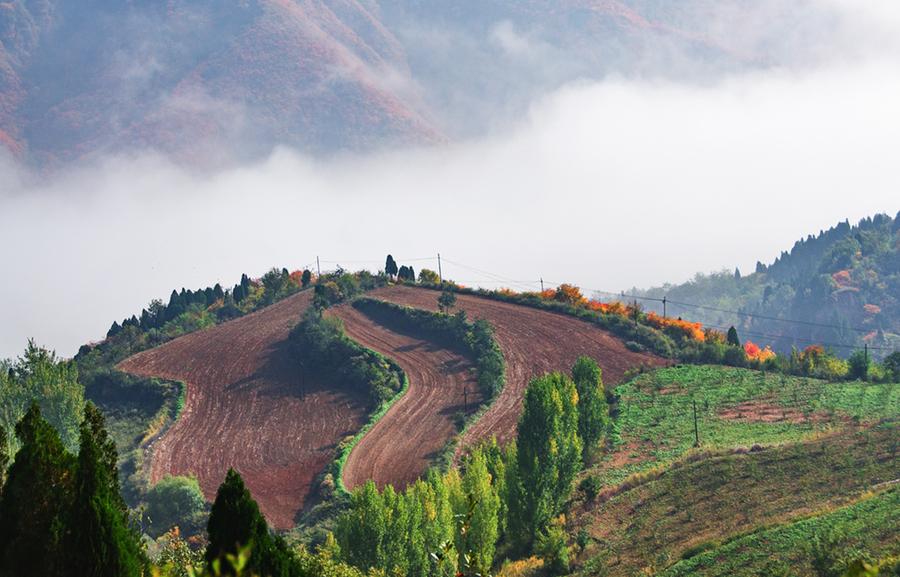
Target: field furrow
(533, 342)
(249, 407)
(404, 442)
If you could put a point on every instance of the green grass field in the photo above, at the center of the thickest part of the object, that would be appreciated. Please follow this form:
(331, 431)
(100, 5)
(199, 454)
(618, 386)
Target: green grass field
(774, 451)
(655, 425)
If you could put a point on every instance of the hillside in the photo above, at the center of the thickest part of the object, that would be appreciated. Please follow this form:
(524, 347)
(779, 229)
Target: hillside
(211, 82)
(843, 285)
(249, 407)
(774, 450)
(533, 342)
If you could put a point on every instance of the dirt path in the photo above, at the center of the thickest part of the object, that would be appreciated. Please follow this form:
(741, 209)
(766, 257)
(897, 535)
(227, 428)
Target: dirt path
(534, 342)
(401, 446)
(248, 407)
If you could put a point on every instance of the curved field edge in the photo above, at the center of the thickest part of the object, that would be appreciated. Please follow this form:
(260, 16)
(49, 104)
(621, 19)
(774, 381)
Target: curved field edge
(533, 342)
(138, 411)
(344, 453)
(652, 339)
(868, 527)
(477, 341)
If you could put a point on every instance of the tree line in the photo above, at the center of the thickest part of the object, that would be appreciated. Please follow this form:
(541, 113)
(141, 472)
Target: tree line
(501, 498)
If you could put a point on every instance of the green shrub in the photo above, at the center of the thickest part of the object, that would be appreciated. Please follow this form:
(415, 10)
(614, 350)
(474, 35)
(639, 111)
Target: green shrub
(552, 549)
(176, 501)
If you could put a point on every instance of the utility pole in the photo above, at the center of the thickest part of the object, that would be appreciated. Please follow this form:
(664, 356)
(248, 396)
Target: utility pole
(318, 268)
(696, 430)
(440, 272)
(664, 307)
(542, 284)
(465, 399)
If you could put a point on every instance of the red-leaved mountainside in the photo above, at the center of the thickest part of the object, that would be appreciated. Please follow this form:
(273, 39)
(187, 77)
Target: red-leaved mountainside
(209, 82)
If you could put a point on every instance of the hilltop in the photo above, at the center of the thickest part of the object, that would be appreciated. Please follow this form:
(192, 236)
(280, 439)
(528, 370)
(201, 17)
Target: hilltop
(843, 285)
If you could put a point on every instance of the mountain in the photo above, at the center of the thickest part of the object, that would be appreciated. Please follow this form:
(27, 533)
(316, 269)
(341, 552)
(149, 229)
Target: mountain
(841, 287)
(213, 80)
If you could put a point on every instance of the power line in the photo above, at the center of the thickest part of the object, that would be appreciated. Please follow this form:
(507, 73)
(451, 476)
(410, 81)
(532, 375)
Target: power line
(811, 341)
(765, 317)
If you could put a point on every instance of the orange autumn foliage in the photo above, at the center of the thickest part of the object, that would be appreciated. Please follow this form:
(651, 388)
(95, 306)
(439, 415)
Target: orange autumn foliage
(754, 353)
(690, 330)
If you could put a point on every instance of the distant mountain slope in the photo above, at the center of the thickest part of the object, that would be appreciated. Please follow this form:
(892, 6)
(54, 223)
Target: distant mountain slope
(842, 285)
(196, 77)
(209, 81)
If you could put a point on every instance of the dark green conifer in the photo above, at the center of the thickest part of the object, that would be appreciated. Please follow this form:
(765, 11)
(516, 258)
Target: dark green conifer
(36, 498)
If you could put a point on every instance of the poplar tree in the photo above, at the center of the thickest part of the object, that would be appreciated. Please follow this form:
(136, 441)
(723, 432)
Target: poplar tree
(360, 531)
(548, 454)
(484, 503)
(593, 412)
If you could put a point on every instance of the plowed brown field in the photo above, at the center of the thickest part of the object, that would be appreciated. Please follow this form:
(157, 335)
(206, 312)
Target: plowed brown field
(248, 407)
(534, 342)
(400, 447)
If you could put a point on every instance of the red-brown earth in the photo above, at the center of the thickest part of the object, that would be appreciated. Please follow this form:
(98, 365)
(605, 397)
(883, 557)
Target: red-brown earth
(249, 407)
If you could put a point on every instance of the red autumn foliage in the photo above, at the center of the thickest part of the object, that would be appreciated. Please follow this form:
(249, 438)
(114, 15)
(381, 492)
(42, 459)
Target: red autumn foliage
(842, 278)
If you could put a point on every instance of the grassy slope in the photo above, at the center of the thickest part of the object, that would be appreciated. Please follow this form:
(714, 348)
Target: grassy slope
(818, 446)
(655, 424)
(700, 503)
(870, 526)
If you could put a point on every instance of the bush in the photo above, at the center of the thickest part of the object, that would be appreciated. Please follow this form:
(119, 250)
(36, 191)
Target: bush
(590, 486)
(551, 547)
(176, 502)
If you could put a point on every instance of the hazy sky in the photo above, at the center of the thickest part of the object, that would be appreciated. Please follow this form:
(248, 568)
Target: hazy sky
(607, 184)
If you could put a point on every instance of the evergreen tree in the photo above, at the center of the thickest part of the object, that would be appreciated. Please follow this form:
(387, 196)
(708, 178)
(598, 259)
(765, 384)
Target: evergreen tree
(390, 266)
(218, 293)
(548, 454)
(733, 339)
(306, 278)
(234, 523)
(593, 412)
(4, 458)
(114, 329)
(36, 497)
(100, 543)
(237, 293)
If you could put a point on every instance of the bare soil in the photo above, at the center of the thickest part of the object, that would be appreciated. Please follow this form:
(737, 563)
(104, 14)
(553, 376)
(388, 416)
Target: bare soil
(249, 407)
(404, 442)
(533, 342)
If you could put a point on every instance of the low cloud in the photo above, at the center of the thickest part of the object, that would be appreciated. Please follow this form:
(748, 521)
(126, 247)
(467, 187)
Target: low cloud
(606, 184)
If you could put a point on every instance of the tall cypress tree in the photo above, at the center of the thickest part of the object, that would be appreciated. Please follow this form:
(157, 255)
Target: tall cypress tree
(4, 458)
(36, 498)
(235, 523)
(732, 338)
(101, 544)
(390, 266)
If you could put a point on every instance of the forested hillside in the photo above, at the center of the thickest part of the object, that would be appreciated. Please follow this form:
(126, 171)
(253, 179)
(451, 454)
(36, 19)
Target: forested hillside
(842, 287)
